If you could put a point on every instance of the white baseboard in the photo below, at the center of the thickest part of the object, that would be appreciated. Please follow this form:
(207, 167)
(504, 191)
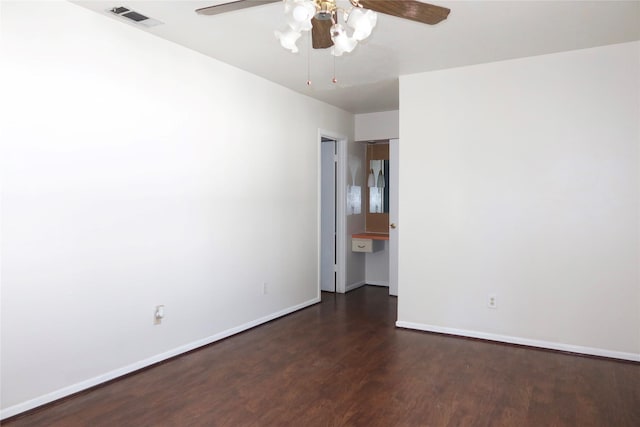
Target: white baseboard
(378, 283)
(355, 286)
(635, 357)
(92, 382)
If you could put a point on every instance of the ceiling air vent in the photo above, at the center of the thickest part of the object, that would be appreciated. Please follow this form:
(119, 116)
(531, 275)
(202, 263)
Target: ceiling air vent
(134, 17)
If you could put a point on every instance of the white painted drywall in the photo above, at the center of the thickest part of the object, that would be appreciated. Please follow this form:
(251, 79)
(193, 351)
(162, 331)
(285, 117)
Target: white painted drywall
(521, 179)
(377, 268)
(136, 172)
(373, 126)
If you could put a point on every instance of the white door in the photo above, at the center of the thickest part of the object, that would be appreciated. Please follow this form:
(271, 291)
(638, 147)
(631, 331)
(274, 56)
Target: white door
(393, 215)
(328, 216)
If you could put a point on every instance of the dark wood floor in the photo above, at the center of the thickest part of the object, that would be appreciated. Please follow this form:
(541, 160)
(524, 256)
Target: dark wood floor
(343, 363)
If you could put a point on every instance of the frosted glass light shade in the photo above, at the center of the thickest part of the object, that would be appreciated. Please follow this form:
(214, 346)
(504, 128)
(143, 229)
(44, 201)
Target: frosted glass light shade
(298, 14)
(371, 182)
(341, 42)
(380, 183)
(288, 39)
(362, 23)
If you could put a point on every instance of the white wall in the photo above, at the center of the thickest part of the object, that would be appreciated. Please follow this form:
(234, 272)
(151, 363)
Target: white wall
(373, 126)
(136, 172)
(528, 176)
(377, 268)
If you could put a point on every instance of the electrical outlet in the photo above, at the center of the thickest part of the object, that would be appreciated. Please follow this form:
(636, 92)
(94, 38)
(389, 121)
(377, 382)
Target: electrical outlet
(158, 315)
(492, 301)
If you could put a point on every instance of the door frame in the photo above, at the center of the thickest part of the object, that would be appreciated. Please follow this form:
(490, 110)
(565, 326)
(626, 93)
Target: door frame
(341, 180)
(394, 214)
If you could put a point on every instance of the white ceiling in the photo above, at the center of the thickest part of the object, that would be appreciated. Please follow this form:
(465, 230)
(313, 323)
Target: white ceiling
(475, 32)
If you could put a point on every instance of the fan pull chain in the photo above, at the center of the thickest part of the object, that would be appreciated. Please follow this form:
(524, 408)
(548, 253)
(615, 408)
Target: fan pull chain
(309, 61)
(334, 20)
(334, 80)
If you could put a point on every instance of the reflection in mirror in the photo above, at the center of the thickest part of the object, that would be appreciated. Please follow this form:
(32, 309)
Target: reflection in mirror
(354, 191)
(378, 183)
(354, 200)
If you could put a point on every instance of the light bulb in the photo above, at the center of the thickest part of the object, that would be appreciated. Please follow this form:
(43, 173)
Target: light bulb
(301, 13)
(298, 14)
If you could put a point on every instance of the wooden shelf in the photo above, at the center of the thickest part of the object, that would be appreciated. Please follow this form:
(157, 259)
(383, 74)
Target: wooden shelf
(372, 236)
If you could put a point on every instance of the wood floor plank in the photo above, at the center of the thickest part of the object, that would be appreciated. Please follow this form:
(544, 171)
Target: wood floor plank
(343, 363)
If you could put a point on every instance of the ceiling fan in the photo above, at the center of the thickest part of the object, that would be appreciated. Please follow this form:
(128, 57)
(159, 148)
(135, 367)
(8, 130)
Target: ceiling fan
(321, 17)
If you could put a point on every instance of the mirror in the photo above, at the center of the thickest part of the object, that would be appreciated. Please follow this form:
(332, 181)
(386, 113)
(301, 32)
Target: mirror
(378, 183)
(376, 177)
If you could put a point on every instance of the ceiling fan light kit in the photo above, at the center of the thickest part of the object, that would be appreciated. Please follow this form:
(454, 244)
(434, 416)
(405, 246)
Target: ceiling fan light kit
(300, 14)
(321, 18)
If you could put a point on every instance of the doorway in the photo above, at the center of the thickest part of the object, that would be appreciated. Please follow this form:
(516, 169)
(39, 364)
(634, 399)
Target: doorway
(381, 207)
(328, 214)
(332, 178)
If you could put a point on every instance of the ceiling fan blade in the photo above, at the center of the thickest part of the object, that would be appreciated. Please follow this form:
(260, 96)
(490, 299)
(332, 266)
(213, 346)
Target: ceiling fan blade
(408, 9)
(231, 6)
(321, 34)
